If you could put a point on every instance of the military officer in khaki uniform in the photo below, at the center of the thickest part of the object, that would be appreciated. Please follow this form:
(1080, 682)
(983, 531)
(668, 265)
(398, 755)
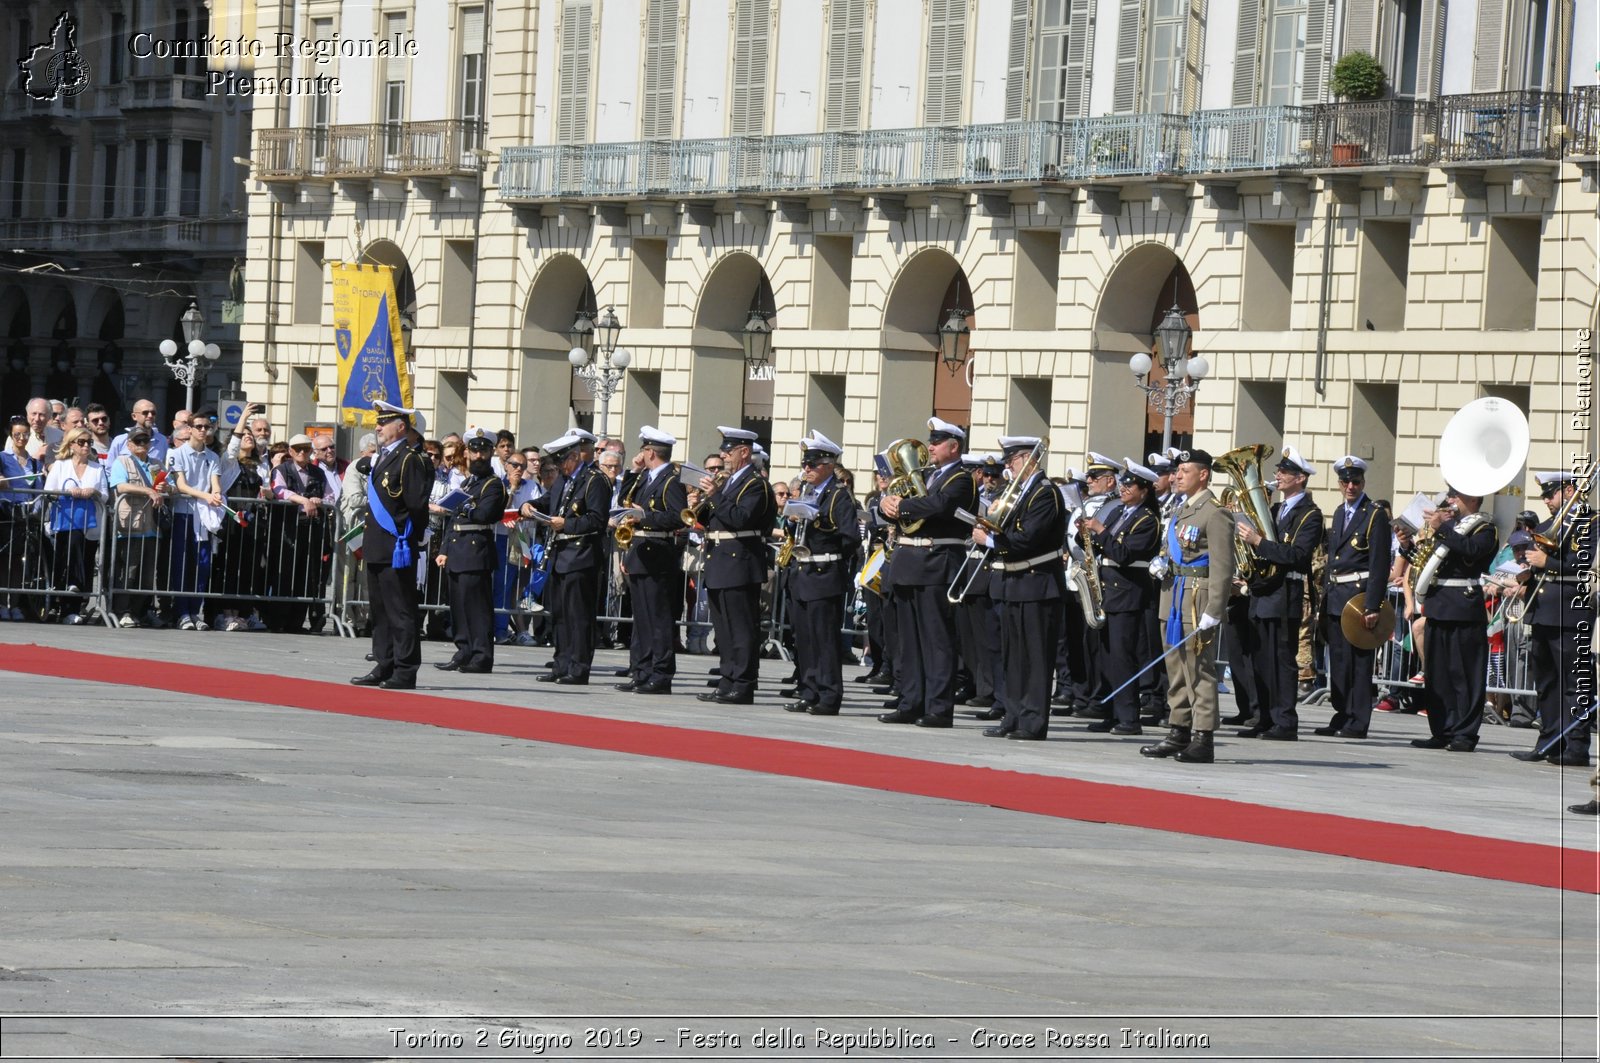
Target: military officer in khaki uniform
(1199, 553)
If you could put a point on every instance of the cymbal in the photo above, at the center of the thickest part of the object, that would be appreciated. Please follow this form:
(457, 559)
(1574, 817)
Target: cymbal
(1355, 630)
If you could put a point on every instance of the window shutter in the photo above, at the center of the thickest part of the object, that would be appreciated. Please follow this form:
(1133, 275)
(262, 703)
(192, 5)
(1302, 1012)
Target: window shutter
(660, 70)
(396, 67)
(1125, 96)
(1194, 49)
(847, 27)
(1430, 49)
(1488, 56)
(471, 30)
(1078, 50)
(1361, 26)
(1314, 80)
(572, 104)
(947, 50)
(1017, 62)
(751, 24)
(1247, 53)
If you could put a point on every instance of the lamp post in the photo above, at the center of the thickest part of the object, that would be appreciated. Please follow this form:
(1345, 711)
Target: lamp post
(605, 375)
(1183, 374)
(757, 340)
(954, 337)
(190, 368)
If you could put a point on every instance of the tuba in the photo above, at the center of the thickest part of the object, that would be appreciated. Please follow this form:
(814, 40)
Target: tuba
(907, 459)
(1481, 450)
(1252, 499)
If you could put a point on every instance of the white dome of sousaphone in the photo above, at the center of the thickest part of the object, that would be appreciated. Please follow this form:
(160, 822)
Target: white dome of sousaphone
(1484, 447)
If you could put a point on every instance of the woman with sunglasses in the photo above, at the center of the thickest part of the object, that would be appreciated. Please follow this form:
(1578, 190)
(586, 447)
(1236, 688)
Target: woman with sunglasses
(77, 486)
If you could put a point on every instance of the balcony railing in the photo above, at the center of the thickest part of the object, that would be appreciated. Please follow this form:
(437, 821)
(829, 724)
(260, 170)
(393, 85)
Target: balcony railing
(1375, 133)
(1250, 138)
(1583, 121)
(402, 149)
(1126, 145)
(1500, 125)
(196, 234)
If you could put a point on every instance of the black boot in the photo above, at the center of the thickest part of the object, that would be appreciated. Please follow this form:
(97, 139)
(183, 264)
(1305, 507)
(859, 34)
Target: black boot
(1177, 741)
(1199, 750)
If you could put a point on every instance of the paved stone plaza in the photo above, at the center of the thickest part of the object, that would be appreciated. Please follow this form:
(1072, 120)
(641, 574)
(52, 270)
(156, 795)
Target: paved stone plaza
(255, 880)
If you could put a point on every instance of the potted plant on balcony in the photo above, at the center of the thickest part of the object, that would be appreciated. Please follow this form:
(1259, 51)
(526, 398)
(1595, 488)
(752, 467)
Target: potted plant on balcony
(1356, 76)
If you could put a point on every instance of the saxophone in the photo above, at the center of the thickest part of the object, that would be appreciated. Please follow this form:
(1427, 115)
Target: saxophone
(1084, 576)
(1430, 553)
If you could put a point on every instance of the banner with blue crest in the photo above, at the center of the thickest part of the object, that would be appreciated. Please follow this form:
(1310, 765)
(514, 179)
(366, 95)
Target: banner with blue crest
(366, 334)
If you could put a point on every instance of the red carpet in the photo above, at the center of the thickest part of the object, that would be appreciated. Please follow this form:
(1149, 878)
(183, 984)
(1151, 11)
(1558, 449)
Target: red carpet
(1045, 795)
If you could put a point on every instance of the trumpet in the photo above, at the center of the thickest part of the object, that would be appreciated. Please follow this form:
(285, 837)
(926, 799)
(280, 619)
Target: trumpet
(794, 546)
(697, 513)
(622, 534)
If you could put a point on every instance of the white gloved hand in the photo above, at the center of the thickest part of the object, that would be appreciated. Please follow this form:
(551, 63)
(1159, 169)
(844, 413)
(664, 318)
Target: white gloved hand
(1207, 622)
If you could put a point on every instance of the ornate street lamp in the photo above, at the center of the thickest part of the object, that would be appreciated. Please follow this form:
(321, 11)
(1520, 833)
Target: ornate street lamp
(757, 337)
(605, 376)
(1183, 374)
(954, 337)
(190, 368)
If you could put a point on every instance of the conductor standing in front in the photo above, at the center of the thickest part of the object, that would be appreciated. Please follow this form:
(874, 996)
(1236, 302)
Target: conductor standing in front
(1199, 554)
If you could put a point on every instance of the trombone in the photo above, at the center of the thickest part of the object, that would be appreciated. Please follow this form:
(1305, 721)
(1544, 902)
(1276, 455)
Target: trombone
(1550, 545)
(999, 511)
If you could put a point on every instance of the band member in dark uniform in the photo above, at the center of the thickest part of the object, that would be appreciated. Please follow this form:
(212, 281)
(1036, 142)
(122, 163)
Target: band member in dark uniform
(1562, 617)
(978, 620)
(880, 613)
(1153, 684)
(1458, 627)
(1359, 557)
(468, 556)
(1029, 586)
(1277, 601)
(655, 497)
(820, 576)
(1100, 500)
(578, 505)
(923, 565)
(738, 515)
(397, 500)
(1125, 544)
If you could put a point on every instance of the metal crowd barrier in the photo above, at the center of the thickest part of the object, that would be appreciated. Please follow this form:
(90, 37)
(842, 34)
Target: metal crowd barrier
(51, 556)
(1397, 665)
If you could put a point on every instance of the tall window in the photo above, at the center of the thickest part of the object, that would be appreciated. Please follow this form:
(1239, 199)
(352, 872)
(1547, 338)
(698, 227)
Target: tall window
(161, 178)
(141, 178)
(661, 70)
(1535, 48)
(751, 22)
(1286, 49)
(63, 181)
(945, 83)
(108, 183)
(180, 32)
(572, 81)
(321, 102)
(847, 28)
(19, 175)
(394, 86)
(1051, 81)
(189, 179)
(1165, 59)
(1407, 46)
(119, 38)
(472, 81)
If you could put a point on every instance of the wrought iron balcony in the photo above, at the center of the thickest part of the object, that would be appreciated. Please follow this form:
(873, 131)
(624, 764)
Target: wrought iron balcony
(1375, 133)
(403, 149)
(1237, 139)
(1488, 126)
(1583, 121)
(1129, 145)
(200, 235)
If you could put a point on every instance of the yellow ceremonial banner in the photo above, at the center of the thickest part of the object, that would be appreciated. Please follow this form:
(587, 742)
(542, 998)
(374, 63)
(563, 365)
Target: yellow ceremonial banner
(364, 308)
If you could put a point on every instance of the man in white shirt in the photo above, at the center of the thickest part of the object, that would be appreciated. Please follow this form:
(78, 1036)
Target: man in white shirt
(198, 475)
(43, 437)
(144, 416)
(323, 454)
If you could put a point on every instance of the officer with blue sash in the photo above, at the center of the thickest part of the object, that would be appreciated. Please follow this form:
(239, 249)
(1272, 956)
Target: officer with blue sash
(397, 498)
(1199, 569)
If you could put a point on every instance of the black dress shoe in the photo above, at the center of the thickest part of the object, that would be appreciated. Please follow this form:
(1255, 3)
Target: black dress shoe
(792, 677)
(934, 721)
(1461, 745)
(869, 677)
(788, 692)
(798, 706)
(892, 703)
(734, 699)
(981, 701)
(900, 716)
(627, 688)
(623, 673)
(394, 682)
(448, 666)
(1280, 734)
(1530, 756)
(1021, 736)
(1352, 734)
(573, 680)
(995, 732)
(713, 683)
(884, 690)
(371, 679)
(818, 710)
(653, 688)
(1570, 760)
(1430, 743)
(1251, 732)
(1121, 730)
(1101, 727)
(1326, 732)
(1591, 808)
(475, 669)
(372, 656)
(548, 677)
(996, 713)
(1092, 712)
(1061, 709)
(710, 695)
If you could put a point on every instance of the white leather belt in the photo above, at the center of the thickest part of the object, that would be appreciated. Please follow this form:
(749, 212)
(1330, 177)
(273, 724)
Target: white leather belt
(1108, 563)
(719, 536)
(569, 538)
(1032, 562)
(908, 541)
(474, 527)
(652, 535)
(817, 559)
(1455, 583)
(1348, 577)
(1298, 577)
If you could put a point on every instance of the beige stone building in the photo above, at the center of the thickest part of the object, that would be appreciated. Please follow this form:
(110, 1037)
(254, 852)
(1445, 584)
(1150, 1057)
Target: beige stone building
(861, 175)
